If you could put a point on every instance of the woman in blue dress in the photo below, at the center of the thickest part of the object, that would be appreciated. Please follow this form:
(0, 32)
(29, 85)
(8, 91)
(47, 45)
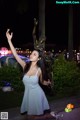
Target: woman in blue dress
(34, 100)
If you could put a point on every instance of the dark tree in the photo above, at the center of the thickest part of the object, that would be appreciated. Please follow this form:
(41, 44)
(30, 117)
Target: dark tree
(70, 33)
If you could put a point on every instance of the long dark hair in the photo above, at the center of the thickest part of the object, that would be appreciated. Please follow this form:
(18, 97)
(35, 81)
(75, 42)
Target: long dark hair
(40, 63)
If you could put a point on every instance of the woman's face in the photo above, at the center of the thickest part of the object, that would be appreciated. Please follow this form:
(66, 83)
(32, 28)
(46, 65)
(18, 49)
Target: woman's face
(34, 56)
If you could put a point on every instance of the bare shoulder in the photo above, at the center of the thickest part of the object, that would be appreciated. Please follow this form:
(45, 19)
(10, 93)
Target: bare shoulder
(39, 70)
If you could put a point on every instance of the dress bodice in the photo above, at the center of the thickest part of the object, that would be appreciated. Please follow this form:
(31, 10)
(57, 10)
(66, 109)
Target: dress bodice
(31, 81)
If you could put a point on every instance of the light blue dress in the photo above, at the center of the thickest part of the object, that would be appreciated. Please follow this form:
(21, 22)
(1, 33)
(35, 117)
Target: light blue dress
(34, 100)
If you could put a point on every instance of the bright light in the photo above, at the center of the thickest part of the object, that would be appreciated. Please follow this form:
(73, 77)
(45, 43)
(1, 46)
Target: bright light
(3, 51)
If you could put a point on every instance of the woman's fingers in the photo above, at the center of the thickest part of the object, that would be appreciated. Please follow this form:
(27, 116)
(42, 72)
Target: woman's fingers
(8, 35)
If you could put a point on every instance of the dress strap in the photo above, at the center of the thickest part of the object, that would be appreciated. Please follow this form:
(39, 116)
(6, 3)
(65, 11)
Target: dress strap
(37, 71)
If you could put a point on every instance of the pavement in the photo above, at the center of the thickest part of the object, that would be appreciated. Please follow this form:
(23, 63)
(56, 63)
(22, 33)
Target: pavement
(58, 106)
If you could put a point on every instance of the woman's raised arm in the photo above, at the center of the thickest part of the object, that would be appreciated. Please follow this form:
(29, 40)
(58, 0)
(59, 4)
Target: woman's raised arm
(9, 38)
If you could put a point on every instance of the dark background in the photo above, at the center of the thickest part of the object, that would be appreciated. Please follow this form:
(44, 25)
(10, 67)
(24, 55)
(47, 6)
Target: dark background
(17, 16)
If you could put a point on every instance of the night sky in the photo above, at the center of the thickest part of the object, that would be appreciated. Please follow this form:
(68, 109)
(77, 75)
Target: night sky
(17, 16)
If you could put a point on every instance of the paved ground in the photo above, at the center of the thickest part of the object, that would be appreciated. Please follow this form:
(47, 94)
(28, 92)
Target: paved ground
(58, 106)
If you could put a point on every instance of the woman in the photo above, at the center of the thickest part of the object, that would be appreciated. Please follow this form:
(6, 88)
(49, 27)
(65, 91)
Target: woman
(34, 99)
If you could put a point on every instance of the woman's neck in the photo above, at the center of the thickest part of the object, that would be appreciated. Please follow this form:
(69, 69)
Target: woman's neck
(33, 64)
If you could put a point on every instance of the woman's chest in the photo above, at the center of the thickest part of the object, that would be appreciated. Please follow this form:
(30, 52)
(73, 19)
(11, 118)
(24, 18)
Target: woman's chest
(30, 79)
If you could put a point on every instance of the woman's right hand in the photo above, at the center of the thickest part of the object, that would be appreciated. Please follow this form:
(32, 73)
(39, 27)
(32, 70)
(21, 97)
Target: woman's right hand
(8, 35)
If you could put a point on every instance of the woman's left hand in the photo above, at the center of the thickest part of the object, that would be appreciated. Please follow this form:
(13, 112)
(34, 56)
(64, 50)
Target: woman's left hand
(49, 82)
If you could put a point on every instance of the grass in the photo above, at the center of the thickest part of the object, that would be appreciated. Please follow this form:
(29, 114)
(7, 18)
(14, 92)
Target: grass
(10, 99)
